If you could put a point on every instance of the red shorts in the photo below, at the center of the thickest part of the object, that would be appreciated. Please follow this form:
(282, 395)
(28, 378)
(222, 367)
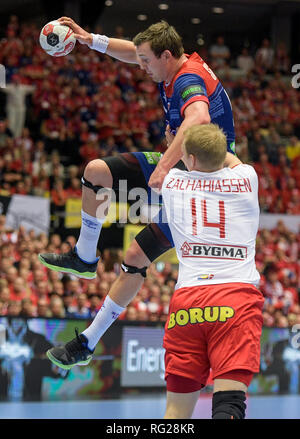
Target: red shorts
(215, 327)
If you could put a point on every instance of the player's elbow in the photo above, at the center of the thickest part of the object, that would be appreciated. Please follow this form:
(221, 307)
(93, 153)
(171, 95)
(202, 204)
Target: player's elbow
(204, 120)
(200, 119)
(197, 113)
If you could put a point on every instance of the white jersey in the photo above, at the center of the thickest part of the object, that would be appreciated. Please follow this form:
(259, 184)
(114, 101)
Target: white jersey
(213, 218)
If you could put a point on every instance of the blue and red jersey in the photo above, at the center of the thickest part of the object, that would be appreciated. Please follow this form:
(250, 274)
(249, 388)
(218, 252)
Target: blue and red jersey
(195, 81)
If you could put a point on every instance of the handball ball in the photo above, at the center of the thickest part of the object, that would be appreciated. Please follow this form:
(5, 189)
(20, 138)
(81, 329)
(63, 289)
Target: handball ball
(57, 39)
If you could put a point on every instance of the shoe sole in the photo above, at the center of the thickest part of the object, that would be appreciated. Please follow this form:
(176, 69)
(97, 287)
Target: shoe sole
(66, 366)
(85, 275)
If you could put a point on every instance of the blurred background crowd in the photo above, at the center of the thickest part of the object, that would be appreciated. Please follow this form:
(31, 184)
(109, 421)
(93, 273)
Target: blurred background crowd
(57, 114)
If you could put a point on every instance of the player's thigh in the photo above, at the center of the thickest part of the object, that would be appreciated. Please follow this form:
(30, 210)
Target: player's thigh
(153, 241)
(221, 385)
(147, 246)
(238, 348)
(180, 405)
(135, 256)
(126, 172)
(234, 339)
(98, 173)
(236, 379)
(185, 343)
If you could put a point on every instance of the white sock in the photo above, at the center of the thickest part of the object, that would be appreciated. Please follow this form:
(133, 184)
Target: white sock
(105, 317)
(86, 245)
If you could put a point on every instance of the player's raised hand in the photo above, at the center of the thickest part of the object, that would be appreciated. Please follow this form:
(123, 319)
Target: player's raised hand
(80, 34)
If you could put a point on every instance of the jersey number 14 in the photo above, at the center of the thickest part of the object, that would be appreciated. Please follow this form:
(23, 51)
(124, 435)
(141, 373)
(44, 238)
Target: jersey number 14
(205, 223)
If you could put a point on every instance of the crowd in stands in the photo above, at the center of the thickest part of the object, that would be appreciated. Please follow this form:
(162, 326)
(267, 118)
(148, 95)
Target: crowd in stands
(62, 112)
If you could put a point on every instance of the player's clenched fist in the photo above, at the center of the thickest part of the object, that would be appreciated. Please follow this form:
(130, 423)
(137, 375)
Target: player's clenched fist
(80, 34)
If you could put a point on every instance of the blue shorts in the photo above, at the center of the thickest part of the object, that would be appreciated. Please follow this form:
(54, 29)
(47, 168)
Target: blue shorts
(148, 162)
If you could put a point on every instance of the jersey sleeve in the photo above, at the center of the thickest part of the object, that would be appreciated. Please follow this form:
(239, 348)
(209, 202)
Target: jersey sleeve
(247, 171)
(190, 88)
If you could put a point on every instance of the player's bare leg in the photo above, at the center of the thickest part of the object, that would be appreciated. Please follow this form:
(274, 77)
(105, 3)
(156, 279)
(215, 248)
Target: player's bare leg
(181, 405)
(98, 174)
(126, 286)
(221, 385)
(82, 260)
(121, 293)
(79, 350)
(229, 398)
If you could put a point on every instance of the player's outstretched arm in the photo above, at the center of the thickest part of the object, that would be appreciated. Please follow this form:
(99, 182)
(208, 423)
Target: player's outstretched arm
(123, 50)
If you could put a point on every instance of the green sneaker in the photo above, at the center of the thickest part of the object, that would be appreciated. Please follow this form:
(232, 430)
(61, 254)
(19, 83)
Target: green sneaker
(73, 353)
(71, 263)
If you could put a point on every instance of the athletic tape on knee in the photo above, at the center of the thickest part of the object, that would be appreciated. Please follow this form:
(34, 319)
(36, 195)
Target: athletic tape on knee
(133, 270)
(229, 405)
(88, 184)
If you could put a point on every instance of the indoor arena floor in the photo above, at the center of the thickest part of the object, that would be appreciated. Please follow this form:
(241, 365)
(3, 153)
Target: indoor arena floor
(144, 407)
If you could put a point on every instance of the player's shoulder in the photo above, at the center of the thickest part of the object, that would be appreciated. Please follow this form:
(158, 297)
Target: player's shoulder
(194, 62)
(244, 170)
(195, 71)
(192, 67)
(175, 173)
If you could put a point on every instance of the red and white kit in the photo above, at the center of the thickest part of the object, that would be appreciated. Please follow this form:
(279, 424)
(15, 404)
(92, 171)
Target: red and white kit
(215, 316)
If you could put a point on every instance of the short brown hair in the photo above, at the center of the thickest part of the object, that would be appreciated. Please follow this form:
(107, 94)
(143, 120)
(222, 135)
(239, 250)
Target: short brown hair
(161, 37)
(208, 144)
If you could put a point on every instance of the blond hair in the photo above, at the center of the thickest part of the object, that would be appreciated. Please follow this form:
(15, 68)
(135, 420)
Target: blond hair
(208, 144)
(161, 37)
